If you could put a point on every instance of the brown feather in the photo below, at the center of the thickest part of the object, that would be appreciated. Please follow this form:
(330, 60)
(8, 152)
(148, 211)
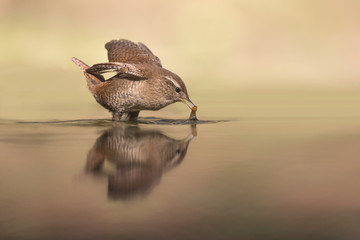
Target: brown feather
(123, 69)
(129, 52)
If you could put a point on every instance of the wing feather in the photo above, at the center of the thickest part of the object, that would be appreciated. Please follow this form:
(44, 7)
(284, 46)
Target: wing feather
(129, 52)
(122, 70)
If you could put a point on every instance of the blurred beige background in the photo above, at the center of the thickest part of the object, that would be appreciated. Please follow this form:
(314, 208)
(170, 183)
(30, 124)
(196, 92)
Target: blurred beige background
(219, 48)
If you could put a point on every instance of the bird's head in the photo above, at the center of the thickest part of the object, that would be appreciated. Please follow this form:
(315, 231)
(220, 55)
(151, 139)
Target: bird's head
(174, 89)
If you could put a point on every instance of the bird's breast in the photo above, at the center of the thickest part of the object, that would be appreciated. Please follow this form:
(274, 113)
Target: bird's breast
(129, 95)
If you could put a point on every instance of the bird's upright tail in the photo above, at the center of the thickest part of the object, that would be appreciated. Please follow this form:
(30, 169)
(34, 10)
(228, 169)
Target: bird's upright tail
(83, 66)
(91, 79)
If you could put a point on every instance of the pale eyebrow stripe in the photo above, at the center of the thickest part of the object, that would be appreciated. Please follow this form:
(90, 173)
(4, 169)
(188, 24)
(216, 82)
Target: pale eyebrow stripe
(173, 81)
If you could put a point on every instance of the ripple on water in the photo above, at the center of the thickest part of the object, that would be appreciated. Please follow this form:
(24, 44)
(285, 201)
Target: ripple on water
(108, 122)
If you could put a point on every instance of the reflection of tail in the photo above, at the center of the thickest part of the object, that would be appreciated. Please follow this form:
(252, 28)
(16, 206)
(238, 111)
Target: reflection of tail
(91, 79)
(95, 160)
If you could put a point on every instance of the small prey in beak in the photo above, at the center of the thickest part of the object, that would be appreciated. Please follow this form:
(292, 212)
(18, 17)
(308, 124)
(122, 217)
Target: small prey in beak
(193, 108)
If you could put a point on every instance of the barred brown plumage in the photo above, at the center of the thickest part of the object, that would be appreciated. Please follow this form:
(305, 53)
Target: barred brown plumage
(140, 82)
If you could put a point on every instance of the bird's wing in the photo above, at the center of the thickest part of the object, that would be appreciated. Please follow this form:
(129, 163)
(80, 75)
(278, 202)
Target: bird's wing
(129, 52)
(121, 70)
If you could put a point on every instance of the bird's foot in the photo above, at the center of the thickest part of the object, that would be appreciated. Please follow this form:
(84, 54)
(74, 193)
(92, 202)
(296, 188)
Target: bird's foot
(117, 116)
(132, 116)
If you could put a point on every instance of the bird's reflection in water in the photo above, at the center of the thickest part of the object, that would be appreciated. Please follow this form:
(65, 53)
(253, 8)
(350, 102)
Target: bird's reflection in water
(140, 158)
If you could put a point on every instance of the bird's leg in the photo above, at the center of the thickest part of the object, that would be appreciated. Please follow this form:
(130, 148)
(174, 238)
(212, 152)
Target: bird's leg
(132, 116)
(117, 116)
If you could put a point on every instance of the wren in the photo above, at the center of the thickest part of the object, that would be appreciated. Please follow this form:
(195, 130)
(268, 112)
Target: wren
(139, 82)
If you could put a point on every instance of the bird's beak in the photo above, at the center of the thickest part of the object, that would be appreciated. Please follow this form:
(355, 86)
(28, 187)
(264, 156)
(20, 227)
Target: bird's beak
(189, 103)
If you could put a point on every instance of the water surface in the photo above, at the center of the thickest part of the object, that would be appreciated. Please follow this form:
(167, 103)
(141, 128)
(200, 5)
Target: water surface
(254, 178)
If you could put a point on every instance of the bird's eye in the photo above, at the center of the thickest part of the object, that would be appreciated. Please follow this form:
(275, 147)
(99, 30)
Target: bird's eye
(177, 89)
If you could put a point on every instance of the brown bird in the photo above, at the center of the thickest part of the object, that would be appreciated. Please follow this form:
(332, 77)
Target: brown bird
(140, 81)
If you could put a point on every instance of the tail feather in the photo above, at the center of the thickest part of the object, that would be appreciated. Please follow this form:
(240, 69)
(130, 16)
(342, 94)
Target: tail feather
(91, 79)
(83, 66)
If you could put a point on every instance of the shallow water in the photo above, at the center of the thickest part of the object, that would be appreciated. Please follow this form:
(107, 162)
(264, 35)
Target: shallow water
(254, 178)
(108, 122)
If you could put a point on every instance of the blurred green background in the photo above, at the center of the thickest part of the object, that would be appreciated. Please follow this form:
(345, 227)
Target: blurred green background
(239, 58)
